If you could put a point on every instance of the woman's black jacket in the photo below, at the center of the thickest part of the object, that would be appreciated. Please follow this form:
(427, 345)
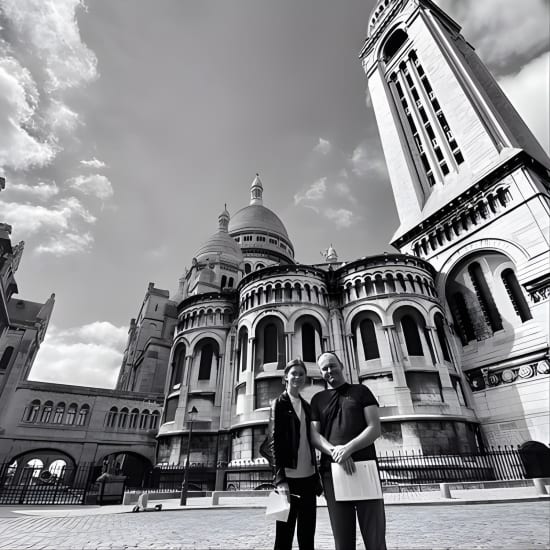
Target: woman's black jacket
(286, 435)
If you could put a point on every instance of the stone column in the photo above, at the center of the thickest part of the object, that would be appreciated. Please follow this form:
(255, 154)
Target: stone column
(338, 343)
(351, 357)
(449, 394)
(402, 391)
(184, 391)
(225, 390)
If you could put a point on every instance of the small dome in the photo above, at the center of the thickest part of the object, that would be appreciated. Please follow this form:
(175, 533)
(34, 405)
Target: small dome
(221, 244)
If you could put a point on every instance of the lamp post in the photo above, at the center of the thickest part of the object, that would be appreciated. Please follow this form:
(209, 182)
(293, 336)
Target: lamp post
(184, 485)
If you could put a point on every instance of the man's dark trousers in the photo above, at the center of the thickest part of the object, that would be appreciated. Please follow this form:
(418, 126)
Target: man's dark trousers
(370, 515)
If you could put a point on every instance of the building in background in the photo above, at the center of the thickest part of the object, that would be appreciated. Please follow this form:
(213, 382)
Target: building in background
(450, 334)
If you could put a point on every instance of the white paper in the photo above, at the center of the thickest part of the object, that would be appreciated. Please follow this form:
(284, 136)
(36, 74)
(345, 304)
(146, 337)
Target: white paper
(363, 484)
(277, 507)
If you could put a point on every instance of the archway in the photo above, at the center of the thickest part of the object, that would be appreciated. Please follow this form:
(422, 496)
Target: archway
(129, 464)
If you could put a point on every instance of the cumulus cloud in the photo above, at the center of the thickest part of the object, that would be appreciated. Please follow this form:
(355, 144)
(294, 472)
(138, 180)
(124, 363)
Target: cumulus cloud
(342, 217)
(88, 355)
(42, 190)
(66, 244)
(28, 219)
(315, 192)
(93, 163)
(324, 147)
(367, 159)
(529, 91)
(21, 146)
(519, 32)
(95, 185)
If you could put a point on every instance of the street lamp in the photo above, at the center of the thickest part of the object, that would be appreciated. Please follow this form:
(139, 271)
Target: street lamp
(184, 485)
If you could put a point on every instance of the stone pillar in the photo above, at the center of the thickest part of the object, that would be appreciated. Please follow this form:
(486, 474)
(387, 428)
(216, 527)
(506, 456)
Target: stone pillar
(338, 343)
(225, 389)
(249, 376)
(351, 359)
(402, 391)
(449, 394)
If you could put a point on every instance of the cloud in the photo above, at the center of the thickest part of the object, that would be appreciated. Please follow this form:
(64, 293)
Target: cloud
(516, 32)
(529, 91)
(93, 163)
(88, 355)
(29, 219)
(343, 189)
(342, 217)
(367, 159)
(315, 192)
(95, 185)
(324, 147)
(66, 244)
(41, 191)
(21, 146)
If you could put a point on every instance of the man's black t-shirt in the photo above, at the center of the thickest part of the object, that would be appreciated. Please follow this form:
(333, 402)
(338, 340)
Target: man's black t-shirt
(344, 405)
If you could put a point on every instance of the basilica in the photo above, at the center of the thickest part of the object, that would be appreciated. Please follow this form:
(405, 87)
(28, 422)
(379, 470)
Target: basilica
(450, 333)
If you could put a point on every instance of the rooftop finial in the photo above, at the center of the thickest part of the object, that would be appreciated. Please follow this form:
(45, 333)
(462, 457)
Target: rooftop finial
(223, 219)
(330, 254)
(256, 191)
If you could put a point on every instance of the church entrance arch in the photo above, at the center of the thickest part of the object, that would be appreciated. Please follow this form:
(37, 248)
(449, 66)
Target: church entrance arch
(133, 466)
(536, 459)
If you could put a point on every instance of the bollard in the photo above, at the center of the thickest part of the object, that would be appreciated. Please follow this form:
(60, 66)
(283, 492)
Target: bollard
(445, 490)
(540, 485)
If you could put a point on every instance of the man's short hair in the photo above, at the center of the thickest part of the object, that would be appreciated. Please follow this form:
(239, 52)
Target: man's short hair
(333, 353)
(294, 363)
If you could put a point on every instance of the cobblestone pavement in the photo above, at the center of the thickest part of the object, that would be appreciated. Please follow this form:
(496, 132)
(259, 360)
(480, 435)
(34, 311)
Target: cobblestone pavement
(514, 526)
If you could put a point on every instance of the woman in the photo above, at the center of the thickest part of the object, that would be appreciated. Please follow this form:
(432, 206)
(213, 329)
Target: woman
(295, 464)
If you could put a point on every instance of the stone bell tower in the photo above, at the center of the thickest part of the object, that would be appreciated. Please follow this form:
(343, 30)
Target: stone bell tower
(471, 186)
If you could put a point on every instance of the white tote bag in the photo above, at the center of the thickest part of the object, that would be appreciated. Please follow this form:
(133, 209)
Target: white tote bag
(363, 484)
(277, 507)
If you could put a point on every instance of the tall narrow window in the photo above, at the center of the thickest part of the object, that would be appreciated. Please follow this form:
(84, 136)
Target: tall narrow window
(178, 364)
(270, 343)
(32, 411)
(440, 330)
(368, 337)
(6, 356)
(59, 413)
(516, 295)
(308, 343)
(46, 412)
(111, 417)
(243, 348)
(484, 296)
(71, 414)
(462, 318)
(205, 366)
(83, 415)
(412, 337)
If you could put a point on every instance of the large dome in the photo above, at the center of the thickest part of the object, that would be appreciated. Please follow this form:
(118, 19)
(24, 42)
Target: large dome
(256, 217)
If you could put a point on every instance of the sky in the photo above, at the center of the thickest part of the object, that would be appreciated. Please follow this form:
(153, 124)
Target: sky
(125, 126)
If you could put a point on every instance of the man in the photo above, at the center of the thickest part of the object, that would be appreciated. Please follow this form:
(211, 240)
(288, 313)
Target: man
(345, 423)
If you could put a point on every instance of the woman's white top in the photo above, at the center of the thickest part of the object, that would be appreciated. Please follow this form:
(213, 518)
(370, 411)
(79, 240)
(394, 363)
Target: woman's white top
(304, 467)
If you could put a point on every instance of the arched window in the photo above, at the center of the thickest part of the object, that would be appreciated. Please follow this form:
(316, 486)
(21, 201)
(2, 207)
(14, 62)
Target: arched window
(178, 364)
(412, 337)
(224, 280)
(259, 266)
(278, 293)
(270, 343)
(35, 465)
(154, 420)
(368, 337)
(288, 292)
(490, 312)
(134, 415)
(247, 268)
(243, 348)
(308, 343)
(57, 468)
(83, 415)
(230, 284)
(379, 285)
(123, 418)
(440, 330)
(111, 417)
(205, 367)
(516, 295)
(46, 412)
(32, 411)
(6, 356)
(143, 417)
(59, 413)
(462, 318)
(393, 43)
(71, 414)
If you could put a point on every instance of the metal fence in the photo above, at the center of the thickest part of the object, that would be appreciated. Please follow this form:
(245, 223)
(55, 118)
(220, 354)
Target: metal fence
(396, 468)
(36, 485)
